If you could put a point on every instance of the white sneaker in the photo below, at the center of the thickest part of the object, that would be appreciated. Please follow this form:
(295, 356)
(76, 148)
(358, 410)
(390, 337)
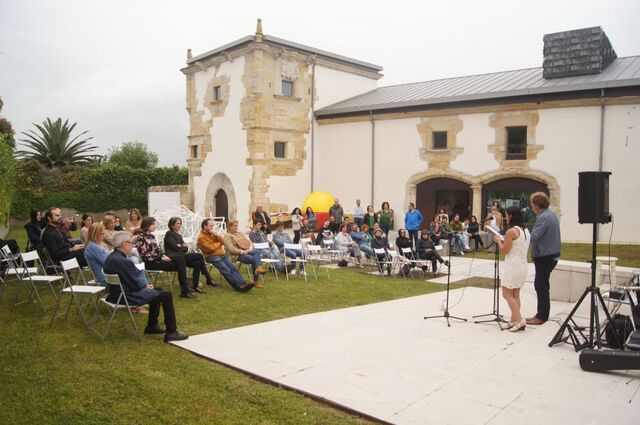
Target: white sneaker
(303, 273)
(292, 272)
(462, 253)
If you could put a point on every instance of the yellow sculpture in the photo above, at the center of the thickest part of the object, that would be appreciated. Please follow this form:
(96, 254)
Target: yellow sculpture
(320, 202)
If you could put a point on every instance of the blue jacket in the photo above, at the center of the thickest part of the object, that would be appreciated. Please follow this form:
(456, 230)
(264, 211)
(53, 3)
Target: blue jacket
(96, 256)
(134, 281)
(545, 235)
(413, 220)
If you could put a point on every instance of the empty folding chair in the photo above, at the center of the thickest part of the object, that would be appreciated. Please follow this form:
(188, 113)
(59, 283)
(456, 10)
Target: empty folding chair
(32, 282)
(121, 304)
(11, 264)
(410, 259)
(77, 287)
(331, 251)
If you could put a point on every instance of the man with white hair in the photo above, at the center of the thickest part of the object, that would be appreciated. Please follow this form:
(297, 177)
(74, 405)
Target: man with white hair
(138, 290)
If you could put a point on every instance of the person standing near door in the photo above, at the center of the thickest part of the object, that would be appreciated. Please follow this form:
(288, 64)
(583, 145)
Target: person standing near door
(412, 221)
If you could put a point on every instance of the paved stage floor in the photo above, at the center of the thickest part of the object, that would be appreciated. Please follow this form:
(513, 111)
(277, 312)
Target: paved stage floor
(385, 361)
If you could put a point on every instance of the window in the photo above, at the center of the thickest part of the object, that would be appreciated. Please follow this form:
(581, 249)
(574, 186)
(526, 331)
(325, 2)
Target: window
(217, 93)
(439, 140)
(287, 88)
(517, 142)
(195, 151)
(279, 149)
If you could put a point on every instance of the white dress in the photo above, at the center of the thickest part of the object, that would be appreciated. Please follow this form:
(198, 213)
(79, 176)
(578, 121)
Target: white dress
(516, 261)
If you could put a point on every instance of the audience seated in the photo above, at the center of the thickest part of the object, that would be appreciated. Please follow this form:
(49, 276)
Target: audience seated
(87, 221)
(473, 231)
(308, 231)
(57, 245)
(257, 236)
(155, 259)
(109, 223)
(362, 238)
(345, 243)
(426, 250)
(380, 241)
(96, 252)
(239, 248)
(403, 241)
(212, 247)
(325, 233)
(457, 229)
(280, 237)
(133, 224)
(435, 229)
(174, 246)
(138, 291)
(34, 231)
(263, 216)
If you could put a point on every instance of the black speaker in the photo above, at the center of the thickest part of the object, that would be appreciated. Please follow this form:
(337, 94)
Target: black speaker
(593, 197)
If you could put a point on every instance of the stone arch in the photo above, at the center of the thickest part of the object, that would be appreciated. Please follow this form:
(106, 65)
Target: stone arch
(220, 181)
(539, 176)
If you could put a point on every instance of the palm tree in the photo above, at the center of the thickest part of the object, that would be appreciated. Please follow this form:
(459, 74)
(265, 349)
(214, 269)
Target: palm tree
(54, 147)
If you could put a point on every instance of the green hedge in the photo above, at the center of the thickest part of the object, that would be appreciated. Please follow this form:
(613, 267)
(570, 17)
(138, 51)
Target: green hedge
(90, 189)
(7, 178)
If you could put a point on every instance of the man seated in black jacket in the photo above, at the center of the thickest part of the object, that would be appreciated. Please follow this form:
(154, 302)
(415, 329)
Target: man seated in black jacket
(57, 245)
(138, 291)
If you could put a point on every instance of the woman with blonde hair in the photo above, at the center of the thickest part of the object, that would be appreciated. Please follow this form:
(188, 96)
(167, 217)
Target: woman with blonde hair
(96, 252)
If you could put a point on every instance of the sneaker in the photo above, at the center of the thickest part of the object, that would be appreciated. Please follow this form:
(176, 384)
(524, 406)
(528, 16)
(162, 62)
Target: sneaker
(154, 330)
(292, 272)
(187, 295)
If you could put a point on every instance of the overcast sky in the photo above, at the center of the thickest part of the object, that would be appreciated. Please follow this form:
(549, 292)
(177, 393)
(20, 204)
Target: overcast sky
(114, 66)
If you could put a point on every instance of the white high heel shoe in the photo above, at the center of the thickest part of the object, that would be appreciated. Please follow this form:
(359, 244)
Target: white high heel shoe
(520, 326)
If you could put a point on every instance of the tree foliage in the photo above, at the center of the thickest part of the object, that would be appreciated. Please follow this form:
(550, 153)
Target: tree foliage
(54, 146)
(133, 154)
(6, 129)
(7, 168)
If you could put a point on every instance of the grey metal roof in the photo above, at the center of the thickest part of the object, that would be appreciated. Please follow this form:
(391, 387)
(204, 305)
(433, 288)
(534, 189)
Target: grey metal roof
(623, 72)
(285, 43)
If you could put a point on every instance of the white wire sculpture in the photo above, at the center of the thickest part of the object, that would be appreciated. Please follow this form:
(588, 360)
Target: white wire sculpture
(191, 222)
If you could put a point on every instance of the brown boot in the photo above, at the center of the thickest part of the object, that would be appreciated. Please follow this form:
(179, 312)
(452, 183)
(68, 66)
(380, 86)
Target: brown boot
(260, 270)
(259, 284)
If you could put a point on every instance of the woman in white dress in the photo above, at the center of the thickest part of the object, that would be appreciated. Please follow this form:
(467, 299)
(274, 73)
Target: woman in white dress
(515, 247)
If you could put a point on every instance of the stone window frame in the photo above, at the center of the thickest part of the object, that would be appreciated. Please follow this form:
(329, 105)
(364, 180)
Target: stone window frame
(195, 151)
(440, 158)
(217, 93)
(499, 121)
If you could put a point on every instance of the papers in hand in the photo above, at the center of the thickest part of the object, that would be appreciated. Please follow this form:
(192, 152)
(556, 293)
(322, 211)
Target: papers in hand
(495, 232)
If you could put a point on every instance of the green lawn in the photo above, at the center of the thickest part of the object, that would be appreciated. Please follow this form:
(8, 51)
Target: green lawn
(64, 374)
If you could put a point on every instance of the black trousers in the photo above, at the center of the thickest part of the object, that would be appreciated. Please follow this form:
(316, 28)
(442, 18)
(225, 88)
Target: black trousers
(434, 257)
(197, 263)
(164, 299)
(544, 267)
(413, 235)
(177, 264)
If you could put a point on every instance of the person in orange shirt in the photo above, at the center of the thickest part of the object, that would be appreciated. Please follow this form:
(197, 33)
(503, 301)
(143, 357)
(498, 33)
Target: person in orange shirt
(212, 247)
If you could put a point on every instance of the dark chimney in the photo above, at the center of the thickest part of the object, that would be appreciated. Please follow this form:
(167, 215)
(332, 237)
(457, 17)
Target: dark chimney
(578, 52)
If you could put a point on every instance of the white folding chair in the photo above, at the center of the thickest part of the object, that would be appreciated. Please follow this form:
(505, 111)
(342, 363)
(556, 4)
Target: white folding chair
(383, 263)
(12, 264)
(115, 285)
(410, 259)
(34, 280)
(317, 260)
(78, 287)
(330, 249)
(270, 262)
(294, 261)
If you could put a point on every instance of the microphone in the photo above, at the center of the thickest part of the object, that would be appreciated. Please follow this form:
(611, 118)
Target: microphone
(486, 219)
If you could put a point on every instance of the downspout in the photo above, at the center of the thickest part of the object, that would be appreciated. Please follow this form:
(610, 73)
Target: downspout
(373, 154)
(313, 113)
(601, 153)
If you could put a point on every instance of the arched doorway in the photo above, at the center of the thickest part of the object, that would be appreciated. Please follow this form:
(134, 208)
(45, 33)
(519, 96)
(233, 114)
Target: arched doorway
(512, 191)
(222, 205)
(220, 200)
(453, 195)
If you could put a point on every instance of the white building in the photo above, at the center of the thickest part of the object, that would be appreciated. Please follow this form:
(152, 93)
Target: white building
(259, 137)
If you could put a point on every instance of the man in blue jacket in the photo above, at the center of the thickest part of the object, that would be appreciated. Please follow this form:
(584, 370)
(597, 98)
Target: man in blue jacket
(138, 291)
(412, 222)
(545, 251)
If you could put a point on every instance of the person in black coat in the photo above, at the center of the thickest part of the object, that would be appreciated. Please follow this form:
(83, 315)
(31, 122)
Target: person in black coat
(57, 245)
(426, 250)
(34, 231)
(138, 291)
(264, 218)
(174, 246)
(473, 231)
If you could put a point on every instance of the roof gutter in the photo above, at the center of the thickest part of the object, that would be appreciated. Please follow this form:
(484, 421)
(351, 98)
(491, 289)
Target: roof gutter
(373, 154)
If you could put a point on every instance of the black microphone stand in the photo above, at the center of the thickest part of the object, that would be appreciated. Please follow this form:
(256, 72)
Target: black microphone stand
(446, 314)
(495, 313)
